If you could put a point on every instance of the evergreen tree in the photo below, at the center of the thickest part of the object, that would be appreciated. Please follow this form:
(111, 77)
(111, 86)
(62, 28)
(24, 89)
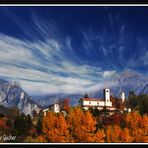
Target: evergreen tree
(86, 96)
(39, 124)
(132, 99)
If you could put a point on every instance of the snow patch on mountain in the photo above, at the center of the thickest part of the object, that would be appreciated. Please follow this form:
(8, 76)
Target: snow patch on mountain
(12, 95)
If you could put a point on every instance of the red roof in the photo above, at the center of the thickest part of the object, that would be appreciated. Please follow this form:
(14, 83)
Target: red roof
(92, 99)
(99, 106)
(92, 106)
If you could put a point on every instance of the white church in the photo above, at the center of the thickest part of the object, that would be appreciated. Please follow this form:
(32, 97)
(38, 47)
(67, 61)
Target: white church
(87, 103)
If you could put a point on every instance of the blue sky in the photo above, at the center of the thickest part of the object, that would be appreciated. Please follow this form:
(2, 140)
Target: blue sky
(57, 49)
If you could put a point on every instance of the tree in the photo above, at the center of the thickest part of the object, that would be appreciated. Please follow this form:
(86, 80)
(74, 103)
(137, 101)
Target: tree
(28, 122)
(100, 136)
(83, 127)
(115, 119)
(39, 124)
(113, 134)
(95, 112)
(142, 103)
(133, 120)
(86, 96)
(117, 103)
(75, 120)
(137, 126)
(138, 103)
(131, 95)
(22, 124)
(126, 136)
(66, 104)
(132, 99)
(55, 128)
(144, 128)
(4, 128)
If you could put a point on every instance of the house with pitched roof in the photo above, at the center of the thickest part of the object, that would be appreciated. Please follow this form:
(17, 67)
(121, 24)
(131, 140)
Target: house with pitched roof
(87, 103)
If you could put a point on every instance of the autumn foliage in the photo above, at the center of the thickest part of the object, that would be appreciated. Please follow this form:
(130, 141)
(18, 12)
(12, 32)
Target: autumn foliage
(55, 128)
(81, 126)
(4, 128)
(66, 104)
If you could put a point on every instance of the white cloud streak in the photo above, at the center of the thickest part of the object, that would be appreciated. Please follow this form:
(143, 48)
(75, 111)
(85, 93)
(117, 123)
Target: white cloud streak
(25, 62)
(109, 74)
(49, 65)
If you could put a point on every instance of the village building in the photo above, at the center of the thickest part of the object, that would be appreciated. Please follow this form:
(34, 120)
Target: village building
(98, 103)
(87, 103)
(54, 107)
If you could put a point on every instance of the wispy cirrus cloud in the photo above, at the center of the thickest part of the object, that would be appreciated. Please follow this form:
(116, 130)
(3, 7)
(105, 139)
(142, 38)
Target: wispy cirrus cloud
(44, 59)
(45, 66)
(41, 63)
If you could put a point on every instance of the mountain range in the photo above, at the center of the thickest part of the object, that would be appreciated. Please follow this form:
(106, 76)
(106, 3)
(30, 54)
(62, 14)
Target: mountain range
(12, 95)
(126, 81)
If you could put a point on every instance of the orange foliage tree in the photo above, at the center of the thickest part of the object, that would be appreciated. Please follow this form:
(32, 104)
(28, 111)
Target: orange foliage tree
(115, 119)
(66, 104)
(55, 129)
(113, 134)
(83, 127)
(4, 128)
(144, 128)
(126, 136)
(80, 126)
(137, 125)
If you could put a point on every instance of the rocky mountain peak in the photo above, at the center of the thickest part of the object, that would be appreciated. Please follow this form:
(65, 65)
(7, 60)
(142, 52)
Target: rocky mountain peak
(12, 95)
